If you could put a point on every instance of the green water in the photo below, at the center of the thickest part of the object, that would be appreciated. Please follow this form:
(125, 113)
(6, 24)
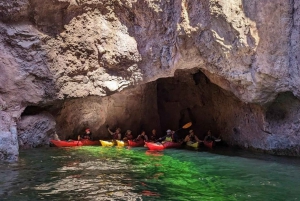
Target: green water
(100, 173)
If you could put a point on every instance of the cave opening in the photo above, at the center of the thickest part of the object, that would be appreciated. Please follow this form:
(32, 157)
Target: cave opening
(191, 97)
(166, 103)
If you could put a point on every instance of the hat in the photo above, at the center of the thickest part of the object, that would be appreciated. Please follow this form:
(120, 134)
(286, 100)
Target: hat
(169, 131)
(191, 131)
(87, 130)
(128, 131)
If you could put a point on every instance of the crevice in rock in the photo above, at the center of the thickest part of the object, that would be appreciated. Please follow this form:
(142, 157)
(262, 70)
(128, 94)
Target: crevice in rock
(32, 110)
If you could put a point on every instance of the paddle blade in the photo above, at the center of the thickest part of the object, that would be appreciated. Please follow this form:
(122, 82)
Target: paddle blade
(187, 125)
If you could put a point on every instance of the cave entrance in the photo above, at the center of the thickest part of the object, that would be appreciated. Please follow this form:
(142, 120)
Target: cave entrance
(190, 97)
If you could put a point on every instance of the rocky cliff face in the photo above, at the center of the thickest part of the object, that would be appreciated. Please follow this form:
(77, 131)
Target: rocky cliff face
(53, 52)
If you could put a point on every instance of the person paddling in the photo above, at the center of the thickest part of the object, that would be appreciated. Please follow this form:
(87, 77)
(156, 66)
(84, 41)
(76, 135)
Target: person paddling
(209, 137)
(170, 137)
(153, 137)
(191, 138)
(142, 137)
(86, 136)
(128, 135)
(116, 135)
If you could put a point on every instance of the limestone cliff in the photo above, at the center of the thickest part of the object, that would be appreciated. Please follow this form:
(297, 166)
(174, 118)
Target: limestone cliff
(55, 51)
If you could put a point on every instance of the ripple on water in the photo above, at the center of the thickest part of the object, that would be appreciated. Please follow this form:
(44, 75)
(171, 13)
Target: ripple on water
(100, 173)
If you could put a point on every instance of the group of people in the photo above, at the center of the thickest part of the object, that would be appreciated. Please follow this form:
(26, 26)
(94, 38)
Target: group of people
(192, 138)
(128, 135)
(171, 136)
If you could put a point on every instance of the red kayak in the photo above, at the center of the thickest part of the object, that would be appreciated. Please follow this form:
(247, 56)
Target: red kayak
(74, 143)
(166, 145)
(208, 144)
(136, 144)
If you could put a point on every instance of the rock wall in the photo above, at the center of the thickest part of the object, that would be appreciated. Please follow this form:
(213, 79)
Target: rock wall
(191, 97)
(134, 109)
(36, 130)
(52, 52)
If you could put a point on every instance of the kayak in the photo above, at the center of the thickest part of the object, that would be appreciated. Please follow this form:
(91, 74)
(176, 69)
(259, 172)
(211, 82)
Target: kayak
(136, 144)
(121, 143)
(74, 143)
(106, 143)
(154, 146)
(166, 145)
(192, 144)
(208, 144)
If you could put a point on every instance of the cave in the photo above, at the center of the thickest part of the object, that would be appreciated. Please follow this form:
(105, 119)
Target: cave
(167, 103)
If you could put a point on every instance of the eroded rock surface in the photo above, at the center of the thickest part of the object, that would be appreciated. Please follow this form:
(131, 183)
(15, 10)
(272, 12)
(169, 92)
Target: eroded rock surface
(36, 130)
(63, 49)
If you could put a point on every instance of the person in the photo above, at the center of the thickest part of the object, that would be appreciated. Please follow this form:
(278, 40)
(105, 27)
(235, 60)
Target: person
(191, 138)
(116, 135)
(142, 137)
(153, 137)
(209, 137)
(86, 136)
(128, 135)
(170, 137)
(55, 137)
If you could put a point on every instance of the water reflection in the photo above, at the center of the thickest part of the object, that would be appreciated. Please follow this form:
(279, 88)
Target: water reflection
(101, 173)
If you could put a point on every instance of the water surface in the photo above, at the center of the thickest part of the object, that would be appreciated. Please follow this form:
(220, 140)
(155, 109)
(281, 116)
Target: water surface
(102, 173)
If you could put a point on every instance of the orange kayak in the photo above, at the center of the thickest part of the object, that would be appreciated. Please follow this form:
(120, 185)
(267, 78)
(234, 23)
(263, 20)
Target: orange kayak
(74, 143)
(166, 145)
(136, 144)
(208, 144)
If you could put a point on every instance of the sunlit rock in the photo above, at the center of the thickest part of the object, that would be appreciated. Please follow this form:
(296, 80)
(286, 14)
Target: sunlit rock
(54, 51)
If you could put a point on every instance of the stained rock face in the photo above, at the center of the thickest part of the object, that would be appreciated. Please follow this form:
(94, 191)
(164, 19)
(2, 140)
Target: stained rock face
(134, 109)
(36, 130)
(55, 51)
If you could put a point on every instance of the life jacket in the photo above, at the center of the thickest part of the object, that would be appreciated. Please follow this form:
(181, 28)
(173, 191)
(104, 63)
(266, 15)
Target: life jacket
(209, 138)
(192, 138)
(116, 136)
(86, 136)
(129, 137)
(168, 139)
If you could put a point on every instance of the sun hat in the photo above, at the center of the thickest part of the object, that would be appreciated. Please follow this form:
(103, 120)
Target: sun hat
(191, 131)
(169, 131)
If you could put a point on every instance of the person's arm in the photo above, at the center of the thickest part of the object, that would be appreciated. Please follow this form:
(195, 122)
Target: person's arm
(187, 138)
(197, 139)
(162, 138)
(110, 131)
(146, 138)
(119, 136)
(79, 137)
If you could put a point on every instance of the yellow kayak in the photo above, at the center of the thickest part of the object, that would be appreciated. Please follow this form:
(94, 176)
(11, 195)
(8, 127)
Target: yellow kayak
(106, 143)
(191, 144)
(121, 143)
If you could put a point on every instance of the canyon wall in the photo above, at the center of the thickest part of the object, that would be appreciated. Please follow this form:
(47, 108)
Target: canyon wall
(53, 54)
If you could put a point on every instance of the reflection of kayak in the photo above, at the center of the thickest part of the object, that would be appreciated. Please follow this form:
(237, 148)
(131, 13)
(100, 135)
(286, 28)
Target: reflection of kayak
(192, 144)
(208, 144)
(166, 145)
(136, 144)
(121, 143)
(107, 143)
(154, 153)
(74, 143)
